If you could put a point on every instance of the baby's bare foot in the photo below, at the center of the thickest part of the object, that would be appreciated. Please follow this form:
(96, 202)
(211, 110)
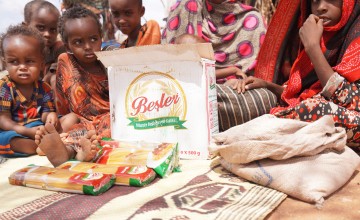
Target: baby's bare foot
(88, 145)
(39, 134)
(50, 143)
(40, 152)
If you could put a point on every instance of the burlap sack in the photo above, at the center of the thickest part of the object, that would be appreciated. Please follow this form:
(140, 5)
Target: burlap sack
(278, 139)
(306, 178)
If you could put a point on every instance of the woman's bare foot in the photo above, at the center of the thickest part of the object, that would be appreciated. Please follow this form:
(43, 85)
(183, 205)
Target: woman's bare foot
(50, 143)
(88, 145)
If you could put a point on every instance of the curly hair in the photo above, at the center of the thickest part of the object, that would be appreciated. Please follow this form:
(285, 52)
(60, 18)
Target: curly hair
(139, 2)
(22, 30)
(75, 12)
(34, 6)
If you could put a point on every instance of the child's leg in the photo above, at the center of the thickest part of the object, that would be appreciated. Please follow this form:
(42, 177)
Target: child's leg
(23, 145)
(67, 121)
(49, 141)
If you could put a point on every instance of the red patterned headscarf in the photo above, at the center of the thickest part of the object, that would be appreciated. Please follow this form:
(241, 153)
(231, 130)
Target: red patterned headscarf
(341, 47)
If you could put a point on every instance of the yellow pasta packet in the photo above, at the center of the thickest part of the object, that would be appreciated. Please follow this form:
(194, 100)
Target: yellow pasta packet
(162, 157)
(62, 180)
(125, 175)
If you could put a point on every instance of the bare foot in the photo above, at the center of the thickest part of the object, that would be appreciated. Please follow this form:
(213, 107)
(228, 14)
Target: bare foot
(88, 145)
(38, 136)
(50, 143)
(40, 152)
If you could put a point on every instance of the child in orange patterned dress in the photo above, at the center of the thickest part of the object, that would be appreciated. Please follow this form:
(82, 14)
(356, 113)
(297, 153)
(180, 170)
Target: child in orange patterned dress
(81, 88)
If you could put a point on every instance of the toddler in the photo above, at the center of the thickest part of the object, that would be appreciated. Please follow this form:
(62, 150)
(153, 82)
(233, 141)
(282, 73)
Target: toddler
(25, 102)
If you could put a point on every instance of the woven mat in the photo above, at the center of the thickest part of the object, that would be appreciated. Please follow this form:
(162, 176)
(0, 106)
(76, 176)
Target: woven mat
(203, 190)
(2, 160)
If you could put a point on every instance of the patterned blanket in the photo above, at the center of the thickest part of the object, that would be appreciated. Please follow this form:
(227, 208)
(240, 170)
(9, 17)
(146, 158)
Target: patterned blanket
(202, 190)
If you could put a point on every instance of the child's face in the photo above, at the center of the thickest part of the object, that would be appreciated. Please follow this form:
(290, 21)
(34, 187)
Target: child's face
(328, 10)
(46, 22)
(126, 15)
(83, 39)
(23, 59)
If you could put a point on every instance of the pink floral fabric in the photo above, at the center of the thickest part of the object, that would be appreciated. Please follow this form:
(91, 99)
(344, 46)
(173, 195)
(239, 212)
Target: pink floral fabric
(235, 30)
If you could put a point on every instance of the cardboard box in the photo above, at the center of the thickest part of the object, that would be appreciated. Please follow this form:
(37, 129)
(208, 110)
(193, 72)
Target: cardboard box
(164, 93)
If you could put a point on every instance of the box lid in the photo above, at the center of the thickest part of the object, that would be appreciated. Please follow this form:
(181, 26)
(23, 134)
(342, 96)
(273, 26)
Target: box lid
(156, 53)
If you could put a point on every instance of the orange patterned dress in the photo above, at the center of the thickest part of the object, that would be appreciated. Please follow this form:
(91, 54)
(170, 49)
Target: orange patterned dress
(149, 34)
(84, 94)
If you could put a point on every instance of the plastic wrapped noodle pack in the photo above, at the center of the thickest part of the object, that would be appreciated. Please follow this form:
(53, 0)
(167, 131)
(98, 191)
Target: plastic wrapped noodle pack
(125, 175)
(162, 157)
(62, 180)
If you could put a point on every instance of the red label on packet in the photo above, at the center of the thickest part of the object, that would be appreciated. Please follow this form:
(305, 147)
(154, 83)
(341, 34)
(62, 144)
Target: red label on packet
(105, 151)
(134, 175)
(133, 171)
(137, 175)
(89, 179)
(109, 143)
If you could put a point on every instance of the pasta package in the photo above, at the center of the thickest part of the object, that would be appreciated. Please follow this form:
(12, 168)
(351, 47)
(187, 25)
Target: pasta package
(62, 180)
(125, 175)
(162, 157)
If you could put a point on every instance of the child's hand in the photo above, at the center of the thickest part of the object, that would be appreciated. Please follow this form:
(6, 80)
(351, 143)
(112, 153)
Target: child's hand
(236, 84)
(240, 73)
(51, 71)
(229, 71)
(53, 119)
(311, 32)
